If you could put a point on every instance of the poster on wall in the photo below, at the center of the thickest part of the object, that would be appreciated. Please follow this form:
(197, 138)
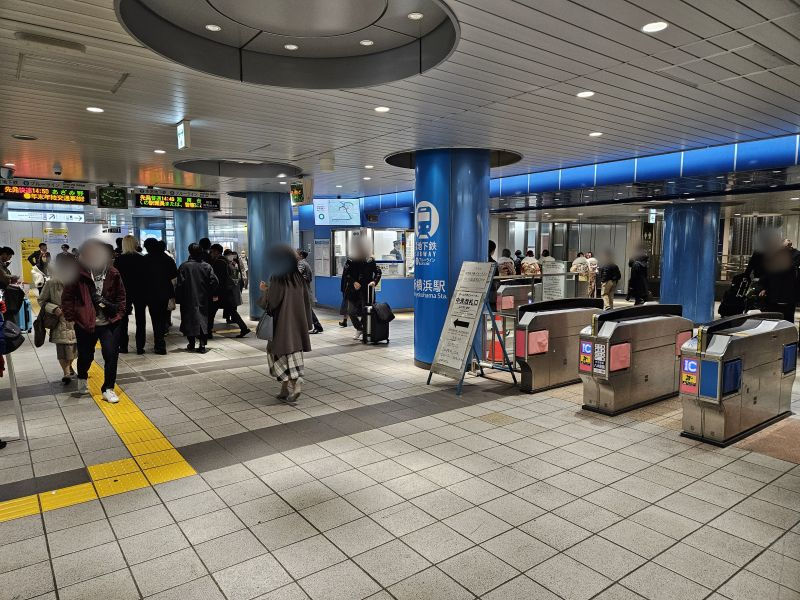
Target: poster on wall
(54, 237)
(554, 280)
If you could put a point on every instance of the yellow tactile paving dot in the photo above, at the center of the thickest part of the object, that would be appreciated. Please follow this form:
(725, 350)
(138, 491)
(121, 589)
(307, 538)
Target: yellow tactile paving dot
(67, 496)
(159, 459)
(19, 507)
(113, 469)
(121, 484)
(156, 445)
(142, 435)
(169, 472)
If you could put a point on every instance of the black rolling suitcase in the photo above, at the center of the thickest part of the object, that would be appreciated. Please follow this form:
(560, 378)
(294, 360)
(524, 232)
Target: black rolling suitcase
(376, 320)
(735, 300)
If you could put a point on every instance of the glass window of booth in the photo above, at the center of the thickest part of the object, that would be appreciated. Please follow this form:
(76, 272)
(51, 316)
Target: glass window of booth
(392, 249)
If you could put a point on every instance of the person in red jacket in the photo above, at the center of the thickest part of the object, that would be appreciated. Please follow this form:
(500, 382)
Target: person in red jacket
(95, 302)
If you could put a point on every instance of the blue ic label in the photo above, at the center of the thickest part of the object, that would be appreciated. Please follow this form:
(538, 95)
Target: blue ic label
(689, 365)
(586, 347)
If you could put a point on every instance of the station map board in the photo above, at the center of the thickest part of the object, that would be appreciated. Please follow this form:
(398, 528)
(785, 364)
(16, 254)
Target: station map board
(463, 319)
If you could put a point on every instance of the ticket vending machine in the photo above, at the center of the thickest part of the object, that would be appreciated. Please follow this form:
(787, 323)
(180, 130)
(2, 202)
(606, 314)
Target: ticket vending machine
(736, 376)
(628, 357)
(546, 335)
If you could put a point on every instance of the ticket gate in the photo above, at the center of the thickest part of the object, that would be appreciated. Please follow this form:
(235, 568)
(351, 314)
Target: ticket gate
(628, 357)
(737, 376)
(546, 336)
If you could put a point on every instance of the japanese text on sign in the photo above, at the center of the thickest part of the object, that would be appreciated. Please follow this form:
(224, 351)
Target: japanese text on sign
(167, 201)
(430, 288)
(45, 194)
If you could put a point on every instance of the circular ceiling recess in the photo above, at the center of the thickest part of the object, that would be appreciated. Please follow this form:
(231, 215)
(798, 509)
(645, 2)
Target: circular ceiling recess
(312, 44)
(407, 159)
(242, 168)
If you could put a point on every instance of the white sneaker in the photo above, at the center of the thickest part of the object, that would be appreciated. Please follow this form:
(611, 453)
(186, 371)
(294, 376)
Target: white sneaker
(357, 336)
(110, 396)
(81, 388)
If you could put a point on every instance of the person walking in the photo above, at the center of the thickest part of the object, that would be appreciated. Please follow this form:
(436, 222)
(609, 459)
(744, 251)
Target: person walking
(236, 278)
(609, 275)
(638, 289)
(196, 284)
(530, 266)
(358, 277)
(63, 271)
(159, 290)
(36, 258)
(518, 261)
(132, 267)
(343, 289)
(225, 295)
(778, 286)
(286, 298)
(95, 303)
(593, 281)
(308, 276)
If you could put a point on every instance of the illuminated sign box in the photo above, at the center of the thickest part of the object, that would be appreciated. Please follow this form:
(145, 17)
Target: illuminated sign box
(36, 193)
(175, 201)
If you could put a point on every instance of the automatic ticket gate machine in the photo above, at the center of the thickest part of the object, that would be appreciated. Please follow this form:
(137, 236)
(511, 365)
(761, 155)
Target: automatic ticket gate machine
(737, 376)
(628, 357)
(546, 336)
(510, 296)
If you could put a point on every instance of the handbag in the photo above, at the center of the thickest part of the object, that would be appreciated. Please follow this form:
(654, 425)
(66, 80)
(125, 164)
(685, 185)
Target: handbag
(265, 328)
(12, 337)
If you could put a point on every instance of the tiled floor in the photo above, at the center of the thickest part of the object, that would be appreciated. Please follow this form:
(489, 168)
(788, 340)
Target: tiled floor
(378, 486)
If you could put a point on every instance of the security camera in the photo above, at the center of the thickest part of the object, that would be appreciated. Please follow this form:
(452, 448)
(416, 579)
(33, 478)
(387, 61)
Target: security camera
(6, 172)
(57, 168)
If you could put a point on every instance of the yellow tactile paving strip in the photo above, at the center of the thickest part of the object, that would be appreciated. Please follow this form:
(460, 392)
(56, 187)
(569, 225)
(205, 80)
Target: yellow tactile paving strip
(154, 460)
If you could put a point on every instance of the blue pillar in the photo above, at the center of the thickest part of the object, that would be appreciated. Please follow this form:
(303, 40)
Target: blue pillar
(452, 224)
(269, 222)
(689, 258)
(190, 226)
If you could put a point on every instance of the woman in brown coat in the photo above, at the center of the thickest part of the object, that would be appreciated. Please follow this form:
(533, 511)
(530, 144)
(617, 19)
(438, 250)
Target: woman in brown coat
(286, 300)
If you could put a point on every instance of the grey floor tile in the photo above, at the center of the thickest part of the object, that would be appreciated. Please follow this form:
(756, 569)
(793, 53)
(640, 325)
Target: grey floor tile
(283, 531)
(555, 531)
(587, 515)
(441, 503)
(767, 512)
(291, 591)
(87, 564)
(262, 510)
(637, 538)
(212, 525)
(477, 524)
(478, 570)
(205, 588)
(696, 565)
(437, 542)
(344, 581)
(152, 544)
(20, 529)
(23, 553)
(65, 541)
(605, 557)
(227, 475)
(519, 549)
(778, 568)
(374, 498)
(27, 582)
(331, 513)
(747, 528)
(308, 556)
(189, 507)
(667, 522)
(188, 486)
(358, 536)
(657, 583)
(308, 494)
(520, 588)
(723, 545)
(617, 592)
(73, 515)
(691, 507)
(130, 501)
(139, 521)
(252, 578)
(402, 518)
(229, 550)
(391, 562)
(118, 585)
(168, 571)
(545, 495)
(430, 584)
(581, 584)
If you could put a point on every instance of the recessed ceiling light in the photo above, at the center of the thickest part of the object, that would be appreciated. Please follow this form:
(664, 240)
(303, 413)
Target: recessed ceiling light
(369, 166)
(366, 42)
(367, 178)
(795, 198)
(586, 94)
(214, 28)
(381, 109)
(9, 165)
(338, 186)
(670, 182)
(282, 182)
(748, 181)
(655, 27)
(415, 16)
(281, 175)
(720, 176)
(596, 134)
(291, 46)
(24, 137)
(580, 214)
(95, 109)
(159, 151)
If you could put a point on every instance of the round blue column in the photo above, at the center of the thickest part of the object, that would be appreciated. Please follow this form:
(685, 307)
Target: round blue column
(452, 226)
(190, 226)
(269, 222)
(689, 258)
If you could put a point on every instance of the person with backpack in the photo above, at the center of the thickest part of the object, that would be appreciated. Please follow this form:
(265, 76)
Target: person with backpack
(505, 266)
(609, 275)
(530, 267)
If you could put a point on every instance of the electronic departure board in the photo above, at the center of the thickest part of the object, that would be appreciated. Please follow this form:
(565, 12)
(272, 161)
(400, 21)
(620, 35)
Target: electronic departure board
(38, 193)
(175, 201)
(112, 197)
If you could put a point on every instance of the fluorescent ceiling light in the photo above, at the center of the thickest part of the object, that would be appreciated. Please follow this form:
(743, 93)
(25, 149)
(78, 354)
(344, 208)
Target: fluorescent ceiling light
(369, 166)
(367, 178)
(159, 151)
(655, 27)
(281, 175)
(213, 27)
(415, 16)
(795, 198)
(338, 186)
(291, 46)
(9, 165)
(94, 109)
(381, 109)
(596, 134)
(282, 182)
(586, 94)
(366, 42)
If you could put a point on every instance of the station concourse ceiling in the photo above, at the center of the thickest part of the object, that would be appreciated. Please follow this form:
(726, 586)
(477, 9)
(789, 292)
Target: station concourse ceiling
(721, 72)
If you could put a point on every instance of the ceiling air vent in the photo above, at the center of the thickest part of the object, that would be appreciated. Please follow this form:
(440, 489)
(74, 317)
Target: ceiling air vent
(36, 40)
(68, 73)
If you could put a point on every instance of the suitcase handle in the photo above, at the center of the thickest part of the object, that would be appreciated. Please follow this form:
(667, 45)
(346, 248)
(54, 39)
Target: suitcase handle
(371, 294)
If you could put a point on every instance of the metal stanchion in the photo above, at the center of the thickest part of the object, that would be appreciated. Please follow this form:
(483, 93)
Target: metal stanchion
(12, 379)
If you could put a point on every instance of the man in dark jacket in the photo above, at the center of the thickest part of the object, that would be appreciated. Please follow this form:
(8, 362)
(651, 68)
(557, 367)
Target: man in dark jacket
(159, 289)
(131, 266)
(37, 258)
(609, 276)
(223, 297)
(308, 276)
(637, 283)
(779, 282)
(95, 302)
(196, 284)
(359, 280)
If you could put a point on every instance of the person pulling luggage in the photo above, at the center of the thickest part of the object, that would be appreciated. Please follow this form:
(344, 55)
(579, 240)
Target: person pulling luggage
(359, 275)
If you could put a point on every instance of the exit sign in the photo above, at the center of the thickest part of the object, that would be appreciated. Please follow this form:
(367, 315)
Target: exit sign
(184, 135)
